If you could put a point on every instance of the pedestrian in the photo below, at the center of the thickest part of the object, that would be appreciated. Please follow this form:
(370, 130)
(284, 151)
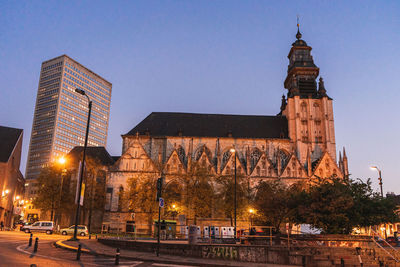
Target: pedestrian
(2, 225)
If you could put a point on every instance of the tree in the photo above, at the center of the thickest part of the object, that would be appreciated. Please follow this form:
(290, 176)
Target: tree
(199, 193)
(276, 202)
(50, 197)
(225, 186)
(337, 206)
(141, 195)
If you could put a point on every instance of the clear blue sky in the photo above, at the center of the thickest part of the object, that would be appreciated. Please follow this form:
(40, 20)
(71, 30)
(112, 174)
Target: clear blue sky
(215, 57)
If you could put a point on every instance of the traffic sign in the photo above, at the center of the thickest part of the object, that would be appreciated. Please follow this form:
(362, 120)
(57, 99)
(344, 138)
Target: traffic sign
(161, 202)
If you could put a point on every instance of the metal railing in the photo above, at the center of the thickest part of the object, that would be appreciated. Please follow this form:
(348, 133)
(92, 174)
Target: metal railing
(392, 252)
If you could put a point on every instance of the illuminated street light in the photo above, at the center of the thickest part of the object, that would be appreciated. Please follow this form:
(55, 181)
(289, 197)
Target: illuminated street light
(233, 151)
(80, 178)
(61, 160)
(380, 177)
(17, 197)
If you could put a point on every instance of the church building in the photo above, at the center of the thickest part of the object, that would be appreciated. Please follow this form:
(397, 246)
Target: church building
(297, 144)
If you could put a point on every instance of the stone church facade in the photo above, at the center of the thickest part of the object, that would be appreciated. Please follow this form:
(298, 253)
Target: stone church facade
(297, 144)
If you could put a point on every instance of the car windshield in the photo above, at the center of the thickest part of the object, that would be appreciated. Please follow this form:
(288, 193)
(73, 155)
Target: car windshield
(36, 224)
(72, 227)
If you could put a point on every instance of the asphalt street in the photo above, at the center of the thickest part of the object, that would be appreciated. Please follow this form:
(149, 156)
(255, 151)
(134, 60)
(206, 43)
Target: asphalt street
(14, 251)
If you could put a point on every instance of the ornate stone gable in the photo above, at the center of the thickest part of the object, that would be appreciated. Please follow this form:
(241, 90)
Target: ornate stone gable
(326, 167)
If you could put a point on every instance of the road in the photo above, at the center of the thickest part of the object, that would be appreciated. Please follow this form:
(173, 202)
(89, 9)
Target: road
(14, 251)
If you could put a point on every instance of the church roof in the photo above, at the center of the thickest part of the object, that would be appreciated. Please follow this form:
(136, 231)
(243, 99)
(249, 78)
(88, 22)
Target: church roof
(212, 125)
(9, 138)
(96, 152)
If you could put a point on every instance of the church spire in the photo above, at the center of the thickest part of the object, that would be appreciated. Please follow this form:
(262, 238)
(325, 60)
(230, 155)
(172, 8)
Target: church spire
(298, 35)
(302, 72)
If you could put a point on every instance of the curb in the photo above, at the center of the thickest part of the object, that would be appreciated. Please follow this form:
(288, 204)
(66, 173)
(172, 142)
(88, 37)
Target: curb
(60, 244)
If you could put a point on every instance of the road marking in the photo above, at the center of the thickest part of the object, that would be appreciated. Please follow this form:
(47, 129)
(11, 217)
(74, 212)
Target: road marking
(131, 264)
(171, 265)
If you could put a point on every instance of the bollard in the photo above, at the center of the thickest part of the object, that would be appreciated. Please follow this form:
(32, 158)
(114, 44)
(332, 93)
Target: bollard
(90, 236)
(341, 262)
(78, 253)
(96, 236)
(36, 245)
(117, 257)
(30, 241)
(303, 261)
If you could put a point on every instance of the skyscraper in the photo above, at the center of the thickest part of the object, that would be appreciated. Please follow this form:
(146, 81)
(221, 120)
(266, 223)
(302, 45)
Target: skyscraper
(60, 117)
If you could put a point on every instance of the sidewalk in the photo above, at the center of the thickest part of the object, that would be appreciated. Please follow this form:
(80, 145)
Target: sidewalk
(93, 247)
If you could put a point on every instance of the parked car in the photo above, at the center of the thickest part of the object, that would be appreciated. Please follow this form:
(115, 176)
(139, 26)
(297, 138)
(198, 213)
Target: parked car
(40, 226)
(22, 225)
(82, 230)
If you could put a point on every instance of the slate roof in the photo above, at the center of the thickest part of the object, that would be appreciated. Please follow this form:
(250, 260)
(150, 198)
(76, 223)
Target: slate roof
(212, 125)
(97, 152)
(8, 139)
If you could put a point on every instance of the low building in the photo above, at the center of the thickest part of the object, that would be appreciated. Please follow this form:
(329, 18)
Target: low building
(98, 162)
(11, 179)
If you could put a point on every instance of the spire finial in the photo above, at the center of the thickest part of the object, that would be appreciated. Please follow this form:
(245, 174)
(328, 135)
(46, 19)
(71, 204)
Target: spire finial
(298, 35)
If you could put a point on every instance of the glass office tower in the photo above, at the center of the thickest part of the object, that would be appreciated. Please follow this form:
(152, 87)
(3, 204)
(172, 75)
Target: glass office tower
(59, 122)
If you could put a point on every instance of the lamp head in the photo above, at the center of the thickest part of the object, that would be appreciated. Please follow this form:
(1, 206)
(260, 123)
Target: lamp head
(7, 191)
(80, 91)
(374, 168)
(61, 160)
(232, 150)
(251, 211)
(17, 197)
(173, 206)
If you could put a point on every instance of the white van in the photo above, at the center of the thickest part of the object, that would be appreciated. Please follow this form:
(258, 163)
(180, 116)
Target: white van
(40, 226)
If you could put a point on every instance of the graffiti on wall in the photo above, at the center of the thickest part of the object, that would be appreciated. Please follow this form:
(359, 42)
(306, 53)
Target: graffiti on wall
(228, 253)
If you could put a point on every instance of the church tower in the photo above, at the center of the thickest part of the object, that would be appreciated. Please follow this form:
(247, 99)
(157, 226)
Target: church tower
(308, 108)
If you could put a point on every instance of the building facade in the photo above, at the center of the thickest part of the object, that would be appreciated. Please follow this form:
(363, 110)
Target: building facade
(297, 144)
(60, 116)
(11, 179)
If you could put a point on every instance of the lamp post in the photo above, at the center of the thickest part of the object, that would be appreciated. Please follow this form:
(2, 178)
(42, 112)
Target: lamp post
(251, 217)
(233, 151)
(380, 184)
(380, 177)
(80, 180)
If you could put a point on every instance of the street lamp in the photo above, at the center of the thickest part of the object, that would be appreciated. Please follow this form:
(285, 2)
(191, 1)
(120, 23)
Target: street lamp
(251, 216)
(82, 92)
(233, 151)
(380, 177)
(5, 193)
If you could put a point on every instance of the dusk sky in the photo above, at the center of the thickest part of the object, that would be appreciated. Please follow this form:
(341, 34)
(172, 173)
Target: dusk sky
(225, 57)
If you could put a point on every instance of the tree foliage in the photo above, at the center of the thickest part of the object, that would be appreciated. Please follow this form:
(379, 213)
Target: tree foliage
(51, 196)
(276, 202)
(225, 196)
(337, 206)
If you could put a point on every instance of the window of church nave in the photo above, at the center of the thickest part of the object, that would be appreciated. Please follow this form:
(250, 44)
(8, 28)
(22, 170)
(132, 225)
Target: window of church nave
(300, 171)
(228, 170)
(303, 109)
(271, 171)
(288, 171)
(317, 113)
(258, 169)
(321, 173)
